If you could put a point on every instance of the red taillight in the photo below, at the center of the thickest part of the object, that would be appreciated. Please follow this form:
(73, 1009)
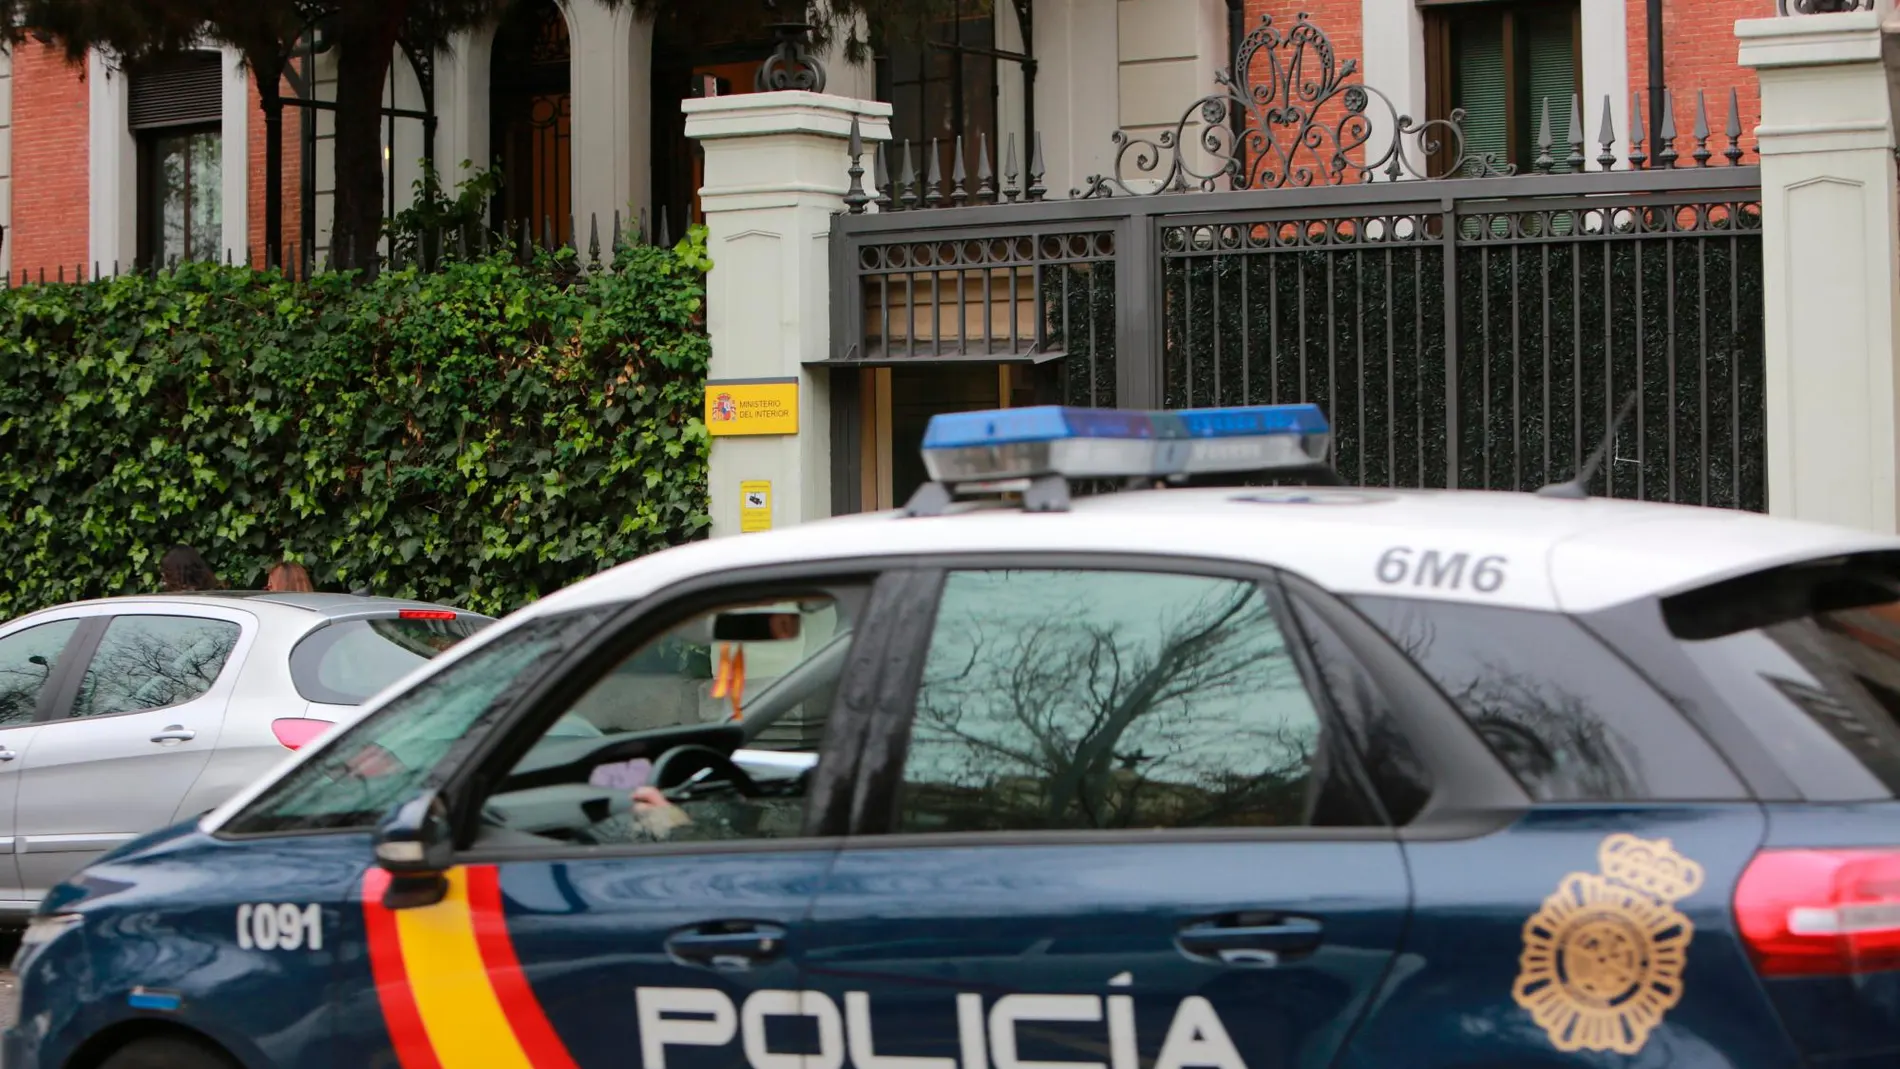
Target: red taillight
(426, 614)
(293, 732)
(1821, 912)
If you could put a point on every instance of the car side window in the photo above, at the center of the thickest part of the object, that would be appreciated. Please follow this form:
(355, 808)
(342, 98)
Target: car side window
(709, 731)
(27, 660)
(1568, 717)
(151, 662)
(1096, 700)
(381, 760)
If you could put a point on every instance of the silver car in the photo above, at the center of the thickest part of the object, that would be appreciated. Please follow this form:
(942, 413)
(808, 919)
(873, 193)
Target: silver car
(123, 715)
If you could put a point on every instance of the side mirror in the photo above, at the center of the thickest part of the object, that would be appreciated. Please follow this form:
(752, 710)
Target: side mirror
(415, 846)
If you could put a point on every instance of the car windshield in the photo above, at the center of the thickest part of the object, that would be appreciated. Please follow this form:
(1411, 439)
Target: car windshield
(382, 759)
(347, 662)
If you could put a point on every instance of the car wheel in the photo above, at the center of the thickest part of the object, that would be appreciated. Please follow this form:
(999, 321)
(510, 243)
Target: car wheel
(168, 1052)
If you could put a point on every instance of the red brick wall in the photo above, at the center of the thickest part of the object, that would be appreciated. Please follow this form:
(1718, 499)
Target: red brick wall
(1341, 21)
(1339, 18)
(293, 160)
(1699, 50)
(49, 162)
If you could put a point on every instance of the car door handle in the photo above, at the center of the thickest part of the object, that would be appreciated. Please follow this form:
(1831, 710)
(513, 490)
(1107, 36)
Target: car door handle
(1264, 942)
(729, 945)
(175, 733)
(7, 754)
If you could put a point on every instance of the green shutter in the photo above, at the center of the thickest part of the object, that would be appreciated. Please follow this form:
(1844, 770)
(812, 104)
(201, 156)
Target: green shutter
(1477, 75)
(1549, 58)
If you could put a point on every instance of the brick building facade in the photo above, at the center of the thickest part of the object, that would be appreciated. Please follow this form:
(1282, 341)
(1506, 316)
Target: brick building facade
(99, 166)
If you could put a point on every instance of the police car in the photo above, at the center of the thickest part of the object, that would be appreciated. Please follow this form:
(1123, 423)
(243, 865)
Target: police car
(1184, 777)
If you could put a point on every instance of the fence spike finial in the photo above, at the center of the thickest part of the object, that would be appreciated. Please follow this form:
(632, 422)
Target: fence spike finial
(95, 271)
(666, 232)
(1574, 161)
(933, 177)
(907, 182)
(547, 231)
(115, 269)
(60, 274)
(1544, 163)
(593, 239)
(881, 175)
(1036, 189)
(617, 236)
(1667, 131)
(1010, 192)
(959, 196)
(854, 196)
(1606, 137)
(1733, 153)
(985, 175)
(1702, 153)
(461, 234)
(1637, 137)
(641, 236)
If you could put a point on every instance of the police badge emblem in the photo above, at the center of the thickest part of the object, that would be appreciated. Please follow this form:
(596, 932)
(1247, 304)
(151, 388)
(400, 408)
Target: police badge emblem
(1603, 959)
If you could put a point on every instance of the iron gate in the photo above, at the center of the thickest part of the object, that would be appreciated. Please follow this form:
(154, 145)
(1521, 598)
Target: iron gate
(1477, 330)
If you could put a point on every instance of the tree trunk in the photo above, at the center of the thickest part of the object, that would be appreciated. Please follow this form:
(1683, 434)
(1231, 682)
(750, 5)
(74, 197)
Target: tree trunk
(366, 38)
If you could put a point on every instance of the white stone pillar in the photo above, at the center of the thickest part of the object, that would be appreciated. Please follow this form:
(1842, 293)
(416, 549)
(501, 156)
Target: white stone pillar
(1830, 272)
(776, 172)
(461, 104)
(112, 167)
(234, 149)
(612, 128)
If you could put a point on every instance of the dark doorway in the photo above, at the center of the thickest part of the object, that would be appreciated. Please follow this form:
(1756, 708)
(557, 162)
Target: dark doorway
(708, 48)
(530, 115)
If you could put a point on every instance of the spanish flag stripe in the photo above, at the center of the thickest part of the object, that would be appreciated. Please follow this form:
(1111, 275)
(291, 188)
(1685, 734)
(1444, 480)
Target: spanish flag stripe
(460, 1009)
(530, 1024)
(400, 1014)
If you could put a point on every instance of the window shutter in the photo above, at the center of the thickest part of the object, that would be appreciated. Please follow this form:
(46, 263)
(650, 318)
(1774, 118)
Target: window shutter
(1477, 72)
(1550, 61)
(184, 92)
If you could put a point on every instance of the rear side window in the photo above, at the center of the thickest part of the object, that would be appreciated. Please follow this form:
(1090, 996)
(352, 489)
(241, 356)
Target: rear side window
(1809, 657)
(346, 663)
(1569, 718)
(152, 662)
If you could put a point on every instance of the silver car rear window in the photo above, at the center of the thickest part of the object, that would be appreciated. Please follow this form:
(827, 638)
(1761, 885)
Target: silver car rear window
(345, 663)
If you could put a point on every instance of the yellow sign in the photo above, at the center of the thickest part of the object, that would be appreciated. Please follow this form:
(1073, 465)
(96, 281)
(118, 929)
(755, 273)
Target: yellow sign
(755, 506)
(752, 406)
(1603, 959)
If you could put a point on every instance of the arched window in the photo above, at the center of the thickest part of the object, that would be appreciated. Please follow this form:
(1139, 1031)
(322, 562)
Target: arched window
(530, 109)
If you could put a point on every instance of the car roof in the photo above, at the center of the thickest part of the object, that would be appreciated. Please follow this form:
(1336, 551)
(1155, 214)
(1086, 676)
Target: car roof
(328, 606)
(1548, 553)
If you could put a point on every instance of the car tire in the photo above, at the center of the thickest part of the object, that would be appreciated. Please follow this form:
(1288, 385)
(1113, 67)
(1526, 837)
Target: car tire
(168, 1052)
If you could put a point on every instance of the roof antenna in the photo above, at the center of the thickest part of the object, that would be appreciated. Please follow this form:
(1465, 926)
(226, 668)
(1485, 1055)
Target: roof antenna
(1578, 488)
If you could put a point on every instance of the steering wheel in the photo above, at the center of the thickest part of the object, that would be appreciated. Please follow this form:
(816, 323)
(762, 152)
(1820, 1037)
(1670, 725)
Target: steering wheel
(682, 768)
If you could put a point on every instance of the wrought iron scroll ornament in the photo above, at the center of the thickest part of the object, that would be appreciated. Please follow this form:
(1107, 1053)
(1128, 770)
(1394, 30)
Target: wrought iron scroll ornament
(1821, 7)
(1305, 124)
(792, 64)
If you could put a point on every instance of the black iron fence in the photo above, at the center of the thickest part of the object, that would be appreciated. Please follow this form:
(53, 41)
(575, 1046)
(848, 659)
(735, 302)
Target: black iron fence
(428, 249)
(1476, 330)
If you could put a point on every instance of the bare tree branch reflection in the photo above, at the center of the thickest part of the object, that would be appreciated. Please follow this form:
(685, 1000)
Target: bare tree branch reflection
(147, 662)
(1548, 736)
(1076, 718)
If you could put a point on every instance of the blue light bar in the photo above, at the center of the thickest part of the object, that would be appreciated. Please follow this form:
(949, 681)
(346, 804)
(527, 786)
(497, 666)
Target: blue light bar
(1094, 443)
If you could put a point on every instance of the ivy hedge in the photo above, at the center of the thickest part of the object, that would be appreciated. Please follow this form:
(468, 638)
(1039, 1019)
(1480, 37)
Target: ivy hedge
(479, 434)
